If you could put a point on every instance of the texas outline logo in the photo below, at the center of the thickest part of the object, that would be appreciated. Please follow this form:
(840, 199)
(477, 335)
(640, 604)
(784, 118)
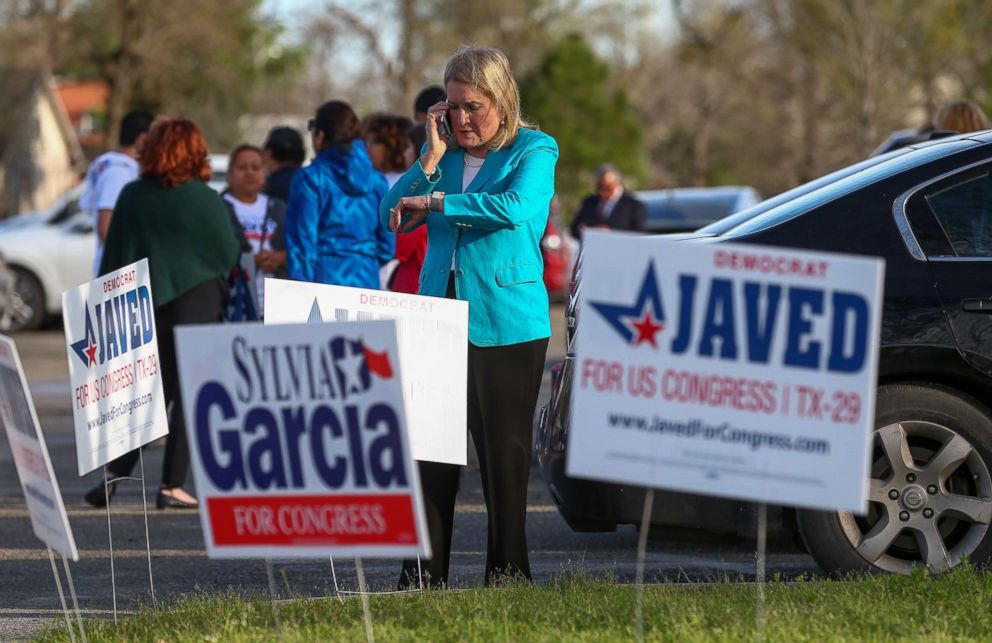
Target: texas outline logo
(641, 322)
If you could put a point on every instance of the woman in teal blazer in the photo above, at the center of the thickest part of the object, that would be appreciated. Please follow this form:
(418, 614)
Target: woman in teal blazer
(483, 190)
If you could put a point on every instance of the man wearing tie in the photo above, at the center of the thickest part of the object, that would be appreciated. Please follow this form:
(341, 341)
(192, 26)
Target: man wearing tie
(610, 208)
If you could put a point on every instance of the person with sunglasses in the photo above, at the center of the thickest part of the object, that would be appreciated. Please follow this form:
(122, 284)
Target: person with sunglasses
(483, 189)
(333, 234)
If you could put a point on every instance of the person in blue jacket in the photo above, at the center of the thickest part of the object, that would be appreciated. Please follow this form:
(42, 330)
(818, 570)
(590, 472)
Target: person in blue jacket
(333, 234)
(483, 191)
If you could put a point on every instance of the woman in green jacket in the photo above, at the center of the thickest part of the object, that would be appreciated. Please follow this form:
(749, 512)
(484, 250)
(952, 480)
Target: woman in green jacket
(171, 217)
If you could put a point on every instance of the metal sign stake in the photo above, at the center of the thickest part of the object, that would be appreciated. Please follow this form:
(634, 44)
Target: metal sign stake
(75, 602)
(760, 575)
(334, 576)
(272, 595)
(363, 593)
(144, 510)
(110, 538)
(642, 547)
(58, 584)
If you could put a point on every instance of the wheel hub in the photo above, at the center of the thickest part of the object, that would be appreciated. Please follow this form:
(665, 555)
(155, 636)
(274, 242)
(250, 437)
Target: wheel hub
(931, 499)
(913, 497)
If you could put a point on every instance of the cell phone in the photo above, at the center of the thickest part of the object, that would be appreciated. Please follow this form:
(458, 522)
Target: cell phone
(444, 125)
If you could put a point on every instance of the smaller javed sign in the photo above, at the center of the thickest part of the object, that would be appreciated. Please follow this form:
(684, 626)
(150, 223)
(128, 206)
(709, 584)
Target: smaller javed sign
(298, 441)
(112, 347)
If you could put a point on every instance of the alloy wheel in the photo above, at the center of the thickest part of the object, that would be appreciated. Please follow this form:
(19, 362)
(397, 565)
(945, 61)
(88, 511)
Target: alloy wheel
(24, 302)
(930, 500)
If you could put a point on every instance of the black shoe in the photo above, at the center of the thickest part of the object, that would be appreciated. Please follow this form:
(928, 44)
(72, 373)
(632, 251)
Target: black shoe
(97, 496)
(168, 502)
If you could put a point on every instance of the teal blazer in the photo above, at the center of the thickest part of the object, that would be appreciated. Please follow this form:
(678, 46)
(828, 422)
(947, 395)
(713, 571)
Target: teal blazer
(493, 231)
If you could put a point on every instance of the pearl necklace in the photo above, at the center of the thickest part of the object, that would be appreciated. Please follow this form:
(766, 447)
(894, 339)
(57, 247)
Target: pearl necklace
(473, 164)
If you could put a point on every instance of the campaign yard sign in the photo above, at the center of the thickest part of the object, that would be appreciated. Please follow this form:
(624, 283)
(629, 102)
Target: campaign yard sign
(34, 467)
(112, 347)
(298, 441)
(433, 344)
(730, 370)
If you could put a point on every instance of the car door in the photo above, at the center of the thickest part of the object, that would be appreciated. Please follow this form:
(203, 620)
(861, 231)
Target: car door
(952, 218)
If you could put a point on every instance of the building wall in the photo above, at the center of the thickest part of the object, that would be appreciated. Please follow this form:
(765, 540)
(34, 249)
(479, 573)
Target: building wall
(54, 157)
(39, 165)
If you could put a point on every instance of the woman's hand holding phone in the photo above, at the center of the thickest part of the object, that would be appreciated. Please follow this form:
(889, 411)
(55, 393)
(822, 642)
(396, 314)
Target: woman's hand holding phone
(438, 134)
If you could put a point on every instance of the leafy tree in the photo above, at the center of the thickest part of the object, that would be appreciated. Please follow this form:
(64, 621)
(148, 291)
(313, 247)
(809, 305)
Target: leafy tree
(406, 42)
(201, 60)
(204, 60)
(569, 96)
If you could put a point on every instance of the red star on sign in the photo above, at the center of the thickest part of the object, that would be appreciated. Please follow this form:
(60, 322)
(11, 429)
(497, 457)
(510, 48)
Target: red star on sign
(91, 353)
(646, 329)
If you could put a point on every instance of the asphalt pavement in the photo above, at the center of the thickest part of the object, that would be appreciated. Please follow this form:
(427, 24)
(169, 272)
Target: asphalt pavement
(29, 599)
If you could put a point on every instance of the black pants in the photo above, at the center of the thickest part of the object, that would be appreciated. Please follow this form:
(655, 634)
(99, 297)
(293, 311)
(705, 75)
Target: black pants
(503, 385)
(201, 305)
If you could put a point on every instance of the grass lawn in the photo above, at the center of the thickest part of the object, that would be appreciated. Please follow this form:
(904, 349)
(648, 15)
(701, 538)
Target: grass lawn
(952, 607)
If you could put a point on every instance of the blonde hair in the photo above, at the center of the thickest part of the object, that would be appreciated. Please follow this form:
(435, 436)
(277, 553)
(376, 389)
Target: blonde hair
(488, 71)
(962, 116)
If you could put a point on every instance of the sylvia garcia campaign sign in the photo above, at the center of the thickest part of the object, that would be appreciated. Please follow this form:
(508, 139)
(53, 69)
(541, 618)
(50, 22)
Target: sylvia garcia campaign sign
(111, 342)
(298, 440)
(433, 343)
(729, 370)
(31, 460)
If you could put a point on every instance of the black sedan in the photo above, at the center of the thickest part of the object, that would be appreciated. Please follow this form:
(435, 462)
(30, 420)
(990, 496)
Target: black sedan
(927, 210)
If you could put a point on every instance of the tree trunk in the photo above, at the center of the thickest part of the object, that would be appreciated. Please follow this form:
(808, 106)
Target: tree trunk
(119, 74)
(405, 75)
(809, 119)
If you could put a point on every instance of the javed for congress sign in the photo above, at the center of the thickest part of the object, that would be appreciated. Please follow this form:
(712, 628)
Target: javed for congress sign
(298, 440)
(730, 370)
(117, 401)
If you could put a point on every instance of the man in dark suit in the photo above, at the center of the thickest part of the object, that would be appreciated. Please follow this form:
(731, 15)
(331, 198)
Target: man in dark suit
(610, 208)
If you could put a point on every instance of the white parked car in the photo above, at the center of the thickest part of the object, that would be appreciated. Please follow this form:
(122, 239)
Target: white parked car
(49, 252)
(52, 250)
(218, 172)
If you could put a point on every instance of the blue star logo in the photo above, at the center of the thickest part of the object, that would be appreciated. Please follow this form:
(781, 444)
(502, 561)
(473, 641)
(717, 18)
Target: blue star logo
(638, 323)
(85, 348)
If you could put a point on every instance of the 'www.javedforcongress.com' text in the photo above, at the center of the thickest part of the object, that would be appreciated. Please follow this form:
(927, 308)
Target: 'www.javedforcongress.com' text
(119, 410)
(700, 430)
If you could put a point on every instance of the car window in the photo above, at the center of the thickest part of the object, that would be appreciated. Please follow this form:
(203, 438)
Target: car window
(964, 212)
(868, 175)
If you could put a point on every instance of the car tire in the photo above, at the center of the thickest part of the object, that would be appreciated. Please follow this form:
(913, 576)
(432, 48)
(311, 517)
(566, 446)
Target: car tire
(26, 310)
(934, 507)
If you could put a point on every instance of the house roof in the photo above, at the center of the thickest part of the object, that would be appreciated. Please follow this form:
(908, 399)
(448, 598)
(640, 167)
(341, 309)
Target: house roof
(82, 97)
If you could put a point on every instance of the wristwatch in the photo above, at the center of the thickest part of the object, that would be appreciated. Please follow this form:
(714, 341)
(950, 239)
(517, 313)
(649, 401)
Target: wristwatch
(437, 201)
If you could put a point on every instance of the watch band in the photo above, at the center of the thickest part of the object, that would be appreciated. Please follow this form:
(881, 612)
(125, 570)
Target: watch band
(437, 201)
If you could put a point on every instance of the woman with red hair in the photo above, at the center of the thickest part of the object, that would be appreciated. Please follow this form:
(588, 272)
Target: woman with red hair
(171, 217)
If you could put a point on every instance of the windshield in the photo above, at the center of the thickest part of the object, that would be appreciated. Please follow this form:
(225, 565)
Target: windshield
(723, 225)
(814, 194)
